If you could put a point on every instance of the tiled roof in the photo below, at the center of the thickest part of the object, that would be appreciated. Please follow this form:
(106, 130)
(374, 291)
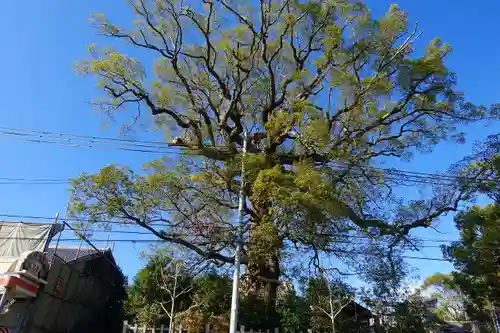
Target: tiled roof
(69, 253)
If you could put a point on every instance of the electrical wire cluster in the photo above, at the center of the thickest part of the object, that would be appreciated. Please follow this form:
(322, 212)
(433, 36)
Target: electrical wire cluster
(96, 229)
(403, 177)
(157, 147)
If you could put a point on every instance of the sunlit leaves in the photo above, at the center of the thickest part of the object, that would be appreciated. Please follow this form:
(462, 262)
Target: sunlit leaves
(475, 255)
(325, 92)
(394, 22)
(118, 72)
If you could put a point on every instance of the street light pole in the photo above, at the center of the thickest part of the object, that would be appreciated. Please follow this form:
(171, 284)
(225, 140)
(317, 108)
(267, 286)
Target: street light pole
(236, 274)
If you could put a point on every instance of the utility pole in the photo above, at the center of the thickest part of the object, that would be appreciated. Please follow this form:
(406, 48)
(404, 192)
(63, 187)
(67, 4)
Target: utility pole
(495, 317)
(236, 274)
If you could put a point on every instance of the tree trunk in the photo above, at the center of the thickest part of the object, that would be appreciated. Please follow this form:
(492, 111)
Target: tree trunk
(330, 300)
(173, 296)
(261, 289)
(265, 276)
(263, 267)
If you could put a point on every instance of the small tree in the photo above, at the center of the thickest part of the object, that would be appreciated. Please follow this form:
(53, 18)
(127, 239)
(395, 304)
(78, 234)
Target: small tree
(170, 283)
(450, 299)
(161, 290)
(328, 297)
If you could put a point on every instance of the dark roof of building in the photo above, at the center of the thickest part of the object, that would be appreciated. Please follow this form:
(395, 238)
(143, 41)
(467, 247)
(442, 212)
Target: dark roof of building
(71, 253)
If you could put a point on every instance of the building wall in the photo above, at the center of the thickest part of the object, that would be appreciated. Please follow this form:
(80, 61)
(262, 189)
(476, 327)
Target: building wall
(72, 299)
(13, 319)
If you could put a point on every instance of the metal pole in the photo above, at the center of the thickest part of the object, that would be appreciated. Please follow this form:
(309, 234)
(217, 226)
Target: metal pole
(106, 244)
(3, 300)
(81, 242)
(45, 248)
(495, 321)
(58, 240)
(62, 230)
(236, 274)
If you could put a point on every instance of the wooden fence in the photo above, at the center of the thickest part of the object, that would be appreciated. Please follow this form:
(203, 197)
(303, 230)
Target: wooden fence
(134, 328)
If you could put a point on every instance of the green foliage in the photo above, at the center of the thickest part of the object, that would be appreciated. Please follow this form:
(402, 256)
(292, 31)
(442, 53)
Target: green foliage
(451, 303)
(483, 164)
(439, 280)
(150, 295)
(318, 295)
(114, 306)
(212, 297)
(198, 299)
(326, 93)
(409, 316)
(294, 312)
(474, 255)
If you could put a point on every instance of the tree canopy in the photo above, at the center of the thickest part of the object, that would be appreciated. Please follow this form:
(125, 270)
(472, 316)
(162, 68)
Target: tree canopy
(169, 291)
(205, 298)
(451, 302)
(322, 93)
(151, 292)
(475, 255)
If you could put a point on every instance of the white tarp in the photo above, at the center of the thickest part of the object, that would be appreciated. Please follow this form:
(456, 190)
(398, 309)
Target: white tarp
(17, 238)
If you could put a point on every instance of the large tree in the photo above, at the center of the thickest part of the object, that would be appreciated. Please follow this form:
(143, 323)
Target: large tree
(324, 93)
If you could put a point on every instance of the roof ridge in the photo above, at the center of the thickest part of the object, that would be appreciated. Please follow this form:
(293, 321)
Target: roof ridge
(73, 247)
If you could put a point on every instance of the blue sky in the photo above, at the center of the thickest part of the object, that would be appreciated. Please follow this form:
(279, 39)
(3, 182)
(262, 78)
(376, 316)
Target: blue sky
(40, 91)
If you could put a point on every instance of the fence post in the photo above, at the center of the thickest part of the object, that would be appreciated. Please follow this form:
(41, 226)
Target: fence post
(242, 329)
(267, 331)
(125, 326)
(207, 328)
(161, 328)
(144, 329)
(136, 327)
(180, 329)
(276, 330)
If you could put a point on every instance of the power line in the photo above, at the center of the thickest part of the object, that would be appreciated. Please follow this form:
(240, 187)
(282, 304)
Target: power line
(77, 220)
(35, 183)
(159, 147)
(346, 252)
(159, 143)
(404, 180)
(111, 231)
(69, 144)
(91, 231)
(35, 180)
(163, 241)
(125, 224)
(399, 177)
